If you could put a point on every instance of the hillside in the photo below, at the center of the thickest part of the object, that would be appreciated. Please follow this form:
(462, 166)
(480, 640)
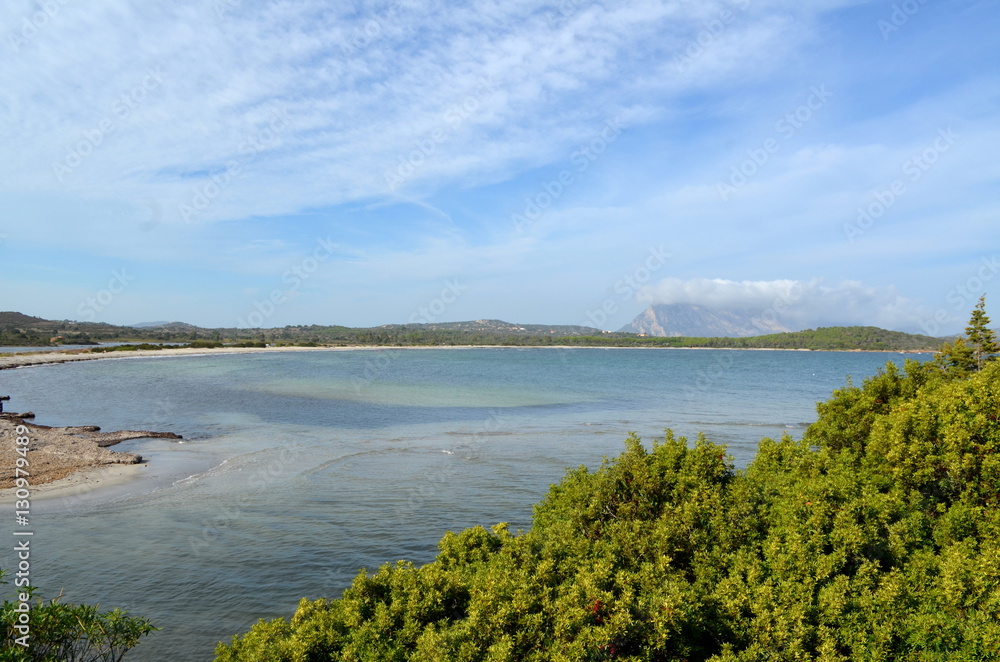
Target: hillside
(500, 327)
(856, 338)
(846, 337)
(9, 318)
(691, 321)
(834, 337)
(18, 329)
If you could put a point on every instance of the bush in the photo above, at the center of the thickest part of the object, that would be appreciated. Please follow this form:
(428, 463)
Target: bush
(204, 344)
(69, 633)
(875, 537)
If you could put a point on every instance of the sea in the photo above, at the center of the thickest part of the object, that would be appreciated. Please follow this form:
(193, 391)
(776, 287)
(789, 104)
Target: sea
(297, 470)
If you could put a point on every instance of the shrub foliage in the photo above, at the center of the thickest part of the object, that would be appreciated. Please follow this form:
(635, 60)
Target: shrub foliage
(61, 632)
(875, 537)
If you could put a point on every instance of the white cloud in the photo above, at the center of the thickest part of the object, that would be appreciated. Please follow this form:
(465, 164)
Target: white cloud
(490, 87)
(796, 304)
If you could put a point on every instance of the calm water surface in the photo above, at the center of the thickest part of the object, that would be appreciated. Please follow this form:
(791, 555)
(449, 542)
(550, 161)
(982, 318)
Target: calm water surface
(298, 469)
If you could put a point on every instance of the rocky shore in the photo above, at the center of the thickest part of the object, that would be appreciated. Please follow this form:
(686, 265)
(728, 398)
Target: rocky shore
(55, 453)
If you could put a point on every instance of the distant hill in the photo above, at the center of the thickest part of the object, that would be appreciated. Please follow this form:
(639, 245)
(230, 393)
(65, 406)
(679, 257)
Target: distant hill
(25, 330)
(863, 338)
(164, 325)
(691, 321)
(837, 337)
(501, 327)
(9, 318)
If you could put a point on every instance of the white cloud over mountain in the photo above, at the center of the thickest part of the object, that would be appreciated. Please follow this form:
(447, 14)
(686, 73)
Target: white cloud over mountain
(796, 304)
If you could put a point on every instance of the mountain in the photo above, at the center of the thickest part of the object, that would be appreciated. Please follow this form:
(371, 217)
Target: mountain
(689, 320)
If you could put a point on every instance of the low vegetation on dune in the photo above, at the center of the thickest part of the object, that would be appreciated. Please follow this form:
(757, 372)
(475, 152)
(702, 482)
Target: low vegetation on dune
(875, 537)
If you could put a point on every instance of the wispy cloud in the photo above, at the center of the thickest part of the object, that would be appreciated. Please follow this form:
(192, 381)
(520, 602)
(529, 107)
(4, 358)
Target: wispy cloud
(221, 138)
(503, 85)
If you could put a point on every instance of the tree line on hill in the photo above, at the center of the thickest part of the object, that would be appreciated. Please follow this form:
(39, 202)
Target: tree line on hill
(21, 330)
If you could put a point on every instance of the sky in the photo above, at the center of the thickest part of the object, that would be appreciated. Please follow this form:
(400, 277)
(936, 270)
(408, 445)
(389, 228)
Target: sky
(268, 163)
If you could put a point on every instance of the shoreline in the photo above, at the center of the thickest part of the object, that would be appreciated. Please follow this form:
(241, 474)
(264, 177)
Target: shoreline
(85, 481)
(54, 454)
(90, 466)
(54, 357)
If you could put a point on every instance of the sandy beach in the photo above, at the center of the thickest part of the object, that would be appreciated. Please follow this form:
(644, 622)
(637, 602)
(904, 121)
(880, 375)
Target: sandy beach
(47, 358)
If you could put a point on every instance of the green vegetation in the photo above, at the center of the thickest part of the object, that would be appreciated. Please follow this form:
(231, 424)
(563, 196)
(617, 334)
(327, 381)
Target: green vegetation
(969, 354)
(17, 329)
(875, 537)
(868, 338)
(124, 348)
(58, 632)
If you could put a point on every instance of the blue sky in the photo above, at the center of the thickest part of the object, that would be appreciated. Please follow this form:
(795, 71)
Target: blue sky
(235, 162)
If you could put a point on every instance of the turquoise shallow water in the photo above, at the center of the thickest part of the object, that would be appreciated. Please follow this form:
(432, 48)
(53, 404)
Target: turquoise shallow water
(300, 468)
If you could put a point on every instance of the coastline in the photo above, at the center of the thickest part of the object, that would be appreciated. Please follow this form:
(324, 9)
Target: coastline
(32, 359)
(78, 459)
(55, 454)
(85, 480)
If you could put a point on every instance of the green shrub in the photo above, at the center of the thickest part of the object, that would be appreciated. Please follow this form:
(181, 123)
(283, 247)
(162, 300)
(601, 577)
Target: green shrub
(62, 632)
(875, 537)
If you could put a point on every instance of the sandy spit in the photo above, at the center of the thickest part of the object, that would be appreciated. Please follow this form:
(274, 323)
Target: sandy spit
(52, 454)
